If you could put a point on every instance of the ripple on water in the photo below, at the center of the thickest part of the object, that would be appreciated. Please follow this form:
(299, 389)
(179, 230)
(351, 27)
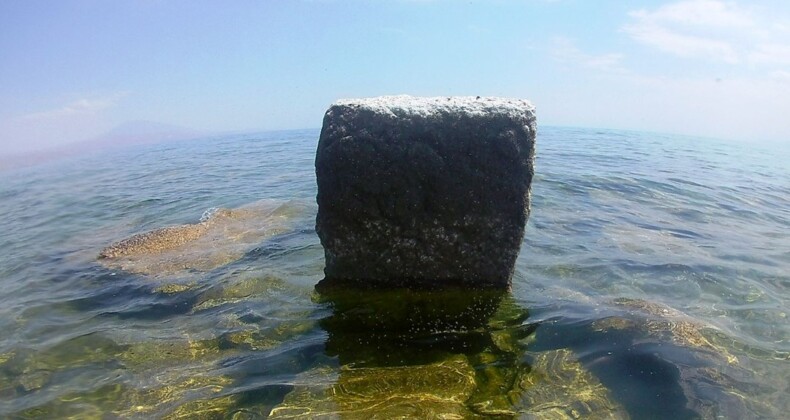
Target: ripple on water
(652, 265)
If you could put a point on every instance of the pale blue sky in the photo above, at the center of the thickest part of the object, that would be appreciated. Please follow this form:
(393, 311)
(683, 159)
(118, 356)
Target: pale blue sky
(71, 70)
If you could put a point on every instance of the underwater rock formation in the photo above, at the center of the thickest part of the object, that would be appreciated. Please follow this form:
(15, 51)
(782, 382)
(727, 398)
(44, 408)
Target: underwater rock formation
(221, 237)
(704, 375)
(436, 390)
(559, 387)
(440, 354)
(424, 191)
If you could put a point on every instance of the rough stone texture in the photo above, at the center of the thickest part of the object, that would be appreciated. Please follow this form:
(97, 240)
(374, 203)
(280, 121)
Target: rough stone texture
(221, 237)
(424, 191)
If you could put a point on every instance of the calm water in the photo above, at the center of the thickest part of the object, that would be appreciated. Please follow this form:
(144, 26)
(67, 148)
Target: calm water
(652, 283)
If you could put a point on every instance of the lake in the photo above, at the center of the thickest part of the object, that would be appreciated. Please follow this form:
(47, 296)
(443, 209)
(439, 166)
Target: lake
(652, 283)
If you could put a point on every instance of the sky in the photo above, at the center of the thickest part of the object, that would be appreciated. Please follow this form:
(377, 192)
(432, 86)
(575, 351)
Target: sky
(71, 70)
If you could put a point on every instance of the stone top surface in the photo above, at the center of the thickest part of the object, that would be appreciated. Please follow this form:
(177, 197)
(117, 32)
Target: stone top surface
(405, 105)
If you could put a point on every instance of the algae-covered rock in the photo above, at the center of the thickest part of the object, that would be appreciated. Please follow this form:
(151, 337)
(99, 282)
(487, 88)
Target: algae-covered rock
(172, 288)
(167, 352)
(710, 381)
(664, 322)
(558, 387)
(221, 237)
(4, 357)
(156, 241)
(205, 409)
(249, 337)
(151, 399)
(499, 365)
(436, 390)
(403, 330)
(76, 351)
(241, 287)
(166, 394)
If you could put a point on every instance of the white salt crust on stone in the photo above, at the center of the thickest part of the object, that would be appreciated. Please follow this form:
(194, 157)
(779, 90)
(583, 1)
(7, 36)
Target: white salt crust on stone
(411, 106)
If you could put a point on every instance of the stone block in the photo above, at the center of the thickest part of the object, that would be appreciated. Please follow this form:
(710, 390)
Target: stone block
(426, 192)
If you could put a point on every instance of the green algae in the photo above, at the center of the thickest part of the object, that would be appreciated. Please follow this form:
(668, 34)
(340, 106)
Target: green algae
(434, 349)
(77, 351)
(164, 374)
(713, 380)
(240, 288)
(401, 353)
(558, 387)
(443, 354)
(436, 390)
(162, 352)
(124, 401)
(205, 409)
(173, 288)
(160, 377)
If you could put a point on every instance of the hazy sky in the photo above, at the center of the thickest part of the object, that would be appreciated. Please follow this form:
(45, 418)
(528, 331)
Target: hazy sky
(71, 70)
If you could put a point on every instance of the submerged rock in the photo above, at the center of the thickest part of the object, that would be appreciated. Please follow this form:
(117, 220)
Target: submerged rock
(436, 390)
(664, 321)
(558, 387)
(192, 397)
(425, 191)
(441, 354)
(709, 378)
(155, 241)
(222, 237)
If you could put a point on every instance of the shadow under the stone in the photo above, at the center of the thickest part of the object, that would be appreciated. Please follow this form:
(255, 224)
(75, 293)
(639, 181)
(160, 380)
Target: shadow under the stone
(406, 327)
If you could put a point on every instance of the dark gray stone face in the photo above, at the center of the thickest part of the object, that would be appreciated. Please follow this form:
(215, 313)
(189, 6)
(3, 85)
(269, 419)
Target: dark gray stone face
(424, 191)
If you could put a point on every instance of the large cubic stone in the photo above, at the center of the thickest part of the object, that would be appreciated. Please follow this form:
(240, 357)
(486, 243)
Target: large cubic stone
(424, 191)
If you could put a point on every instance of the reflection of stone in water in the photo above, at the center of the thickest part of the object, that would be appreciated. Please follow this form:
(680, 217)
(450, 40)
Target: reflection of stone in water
(402, 326)
(223, 237)
(558, 387)
(441, 354)
(403, 354)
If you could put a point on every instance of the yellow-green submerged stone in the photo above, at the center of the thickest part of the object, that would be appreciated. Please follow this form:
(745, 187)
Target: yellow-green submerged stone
(438, 390)
(558, 387)
(223, 237)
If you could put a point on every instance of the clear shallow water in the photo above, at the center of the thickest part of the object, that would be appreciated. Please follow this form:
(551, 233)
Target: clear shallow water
(652, 283)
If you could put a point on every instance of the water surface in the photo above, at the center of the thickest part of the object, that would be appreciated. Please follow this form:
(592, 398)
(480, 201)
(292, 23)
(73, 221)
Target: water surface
(652, 283)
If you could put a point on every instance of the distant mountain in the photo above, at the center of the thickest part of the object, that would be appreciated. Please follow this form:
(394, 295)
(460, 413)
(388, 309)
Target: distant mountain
(127, 134)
